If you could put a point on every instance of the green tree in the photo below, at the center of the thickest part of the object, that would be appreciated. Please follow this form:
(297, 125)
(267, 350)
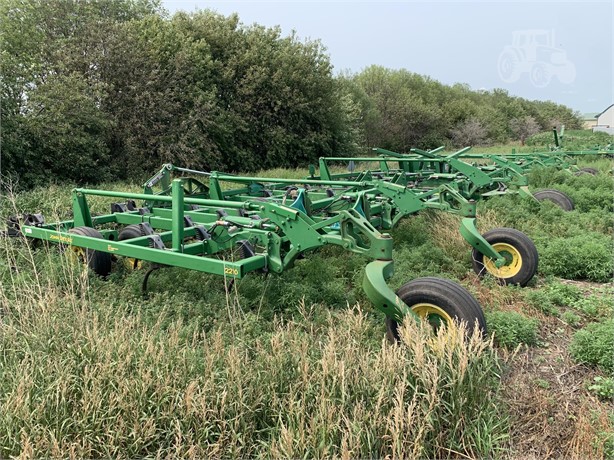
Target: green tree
(52, 92)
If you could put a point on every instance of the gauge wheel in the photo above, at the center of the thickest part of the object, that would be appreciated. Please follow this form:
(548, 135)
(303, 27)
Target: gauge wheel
(440, 302)
(98, 261)
(520, 254)
(557, 197)
(127, 233)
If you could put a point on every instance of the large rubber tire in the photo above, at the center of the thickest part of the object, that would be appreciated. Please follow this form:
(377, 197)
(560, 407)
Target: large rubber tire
(98, 261)
(127, 233)
(437, 300)
(591, 171)
(557, 197)
(517, 248)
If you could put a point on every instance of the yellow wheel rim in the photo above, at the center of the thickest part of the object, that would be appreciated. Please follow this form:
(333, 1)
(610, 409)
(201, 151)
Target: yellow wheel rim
(512, 265)
(77, 254)
(435, 315)
(132, 264)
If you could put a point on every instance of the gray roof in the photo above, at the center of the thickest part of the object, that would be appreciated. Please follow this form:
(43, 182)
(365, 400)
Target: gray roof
(599, 114)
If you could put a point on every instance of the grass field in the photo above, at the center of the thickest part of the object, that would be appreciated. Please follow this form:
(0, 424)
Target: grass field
(297, 365)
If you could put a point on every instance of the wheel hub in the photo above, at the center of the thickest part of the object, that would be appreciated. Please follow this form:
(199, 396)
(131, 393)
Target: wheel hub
(435, 315)
(513, 261)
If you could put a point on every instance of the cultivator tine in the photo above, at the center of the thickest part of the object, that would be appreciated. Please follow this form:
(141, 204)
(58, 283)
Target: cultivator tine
(152, 269)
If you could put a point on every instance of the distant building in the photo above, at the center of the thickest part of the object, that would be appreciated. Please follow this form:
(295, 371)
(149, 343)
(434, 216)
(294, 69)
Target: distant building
(605, 121)
(589, 120)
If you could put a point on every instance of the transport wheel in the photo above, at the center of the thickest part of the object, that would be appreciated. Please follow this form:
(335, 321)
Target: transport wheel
(99, 262)
(557, 197)
(438, 301)
(591, 171)
(127, 233)
(520, 254)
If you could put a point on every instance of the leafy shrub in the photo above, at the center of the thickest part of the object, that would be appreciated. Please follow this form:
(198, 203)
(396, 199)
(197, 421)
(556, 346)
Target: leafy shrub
(571, 318)
(595, 307)
(540, 300)
(603, 387)
(512, 328)
(587, 256)
(594, 345)
(552, 296)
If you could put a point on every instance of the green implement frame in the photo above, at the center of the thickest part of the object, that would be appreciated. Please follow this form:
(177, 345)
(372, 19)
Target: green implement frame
(198, 234)
(425, 171)
(379, 200)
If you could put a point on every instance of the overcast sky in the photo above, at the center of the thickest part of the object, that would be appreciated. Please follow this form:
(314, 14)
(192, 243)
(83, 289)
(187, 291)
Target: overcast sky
(459, 41)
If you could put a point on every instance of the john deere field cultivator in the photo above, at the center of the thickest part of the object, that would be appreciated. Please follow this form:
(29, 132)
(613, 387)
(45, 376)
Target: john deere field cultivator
(426, 171)
(231, 225)
(383, 204)
(179, 228)
(475, 176)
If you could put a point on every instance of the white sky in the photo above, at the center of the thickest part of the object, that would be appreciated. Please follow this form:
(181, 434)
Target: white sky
(455, 41)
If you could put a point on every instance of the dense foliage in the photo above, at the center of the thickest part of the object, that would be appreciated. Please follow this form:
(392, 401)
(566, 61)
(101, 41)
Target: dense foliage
(593, 345)
(114, 88)
(401, 110)
(94, 90)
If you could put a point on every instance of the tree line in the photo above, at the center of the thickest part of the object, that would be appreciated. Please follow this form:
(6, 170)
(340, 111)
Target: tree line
(97, 90)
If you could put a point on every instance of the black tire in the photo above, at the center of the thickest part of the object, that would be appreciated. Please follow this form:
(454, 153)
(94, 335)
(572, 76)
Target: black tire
(451, 298)
(591, 171)
(98, 261)
(127, 233)
(522, 265)
(559, 198)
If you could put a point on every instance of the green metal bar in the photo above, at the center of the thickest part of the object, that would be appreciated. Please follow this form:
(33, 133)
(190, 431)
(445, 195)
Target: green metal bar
(471, 234)
(381, 296)
(387, 152)
(167, 199)
(241, 179)
(324, 171)
(459, 153)
(378, 159)
(424, 153)
(556, 137)
(235, 269)
(177, 218)
(81, 211)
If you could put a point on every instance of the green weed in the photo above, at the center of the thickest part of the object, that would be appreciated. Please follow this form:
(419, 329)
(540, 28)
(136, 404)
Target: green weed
(603, 387)
(593, 345)
(511, 329)
(596, 306)
(571, 318)
(583, 257)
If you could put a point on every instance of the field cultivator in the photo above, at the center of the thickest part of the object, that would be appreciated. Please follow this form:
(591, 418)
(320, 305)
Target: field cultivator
(506, 254)
(474, 176)
(487, 176)
(556, 157)
(234, 237)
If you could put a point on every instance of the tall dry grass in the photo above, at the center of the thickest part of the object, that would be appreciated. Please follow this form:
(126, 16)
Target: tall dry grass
(86, 376)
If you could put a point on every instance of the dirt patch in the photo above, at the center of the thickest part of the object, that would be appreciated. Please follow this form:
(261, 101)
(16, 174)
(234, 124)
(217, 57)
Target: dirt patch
(553, 414)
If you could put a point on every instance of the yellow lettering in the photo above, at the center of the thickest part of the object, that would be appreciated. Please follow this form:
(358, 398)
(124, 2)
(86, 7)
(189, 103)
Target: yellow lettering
(61, 238)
